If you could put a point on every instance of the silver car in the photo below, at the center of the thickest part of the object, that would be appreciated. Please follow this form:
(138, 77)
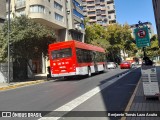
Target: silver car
(111, 65)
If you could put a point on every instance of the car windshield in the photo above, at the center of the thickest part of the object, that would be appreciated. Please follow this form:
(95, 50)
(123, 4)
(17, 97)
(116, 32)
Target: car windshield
(61, 53)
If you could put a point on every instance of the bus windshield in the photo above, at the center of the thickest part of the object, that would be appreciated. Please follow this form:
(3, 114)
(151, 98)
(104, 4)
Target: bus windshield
(61, 53)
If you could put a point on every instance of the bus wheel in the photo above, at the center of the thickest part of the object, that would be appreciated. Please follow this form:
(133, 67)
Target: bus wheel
(89, 72)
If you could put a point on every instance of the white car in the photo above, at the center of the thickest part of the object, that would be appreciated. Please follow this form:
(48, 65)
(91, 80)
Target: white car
(111, 65)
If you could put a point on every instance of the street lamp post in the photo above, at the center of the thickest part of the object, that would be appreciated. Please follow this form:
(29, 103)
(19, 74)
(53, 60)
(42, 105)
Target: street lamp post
(8, 79)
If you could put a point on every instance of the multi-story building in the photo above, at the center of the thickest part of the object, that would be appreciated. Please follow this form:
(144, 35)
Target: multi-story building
(63, 16)
(75, 19)
(100, 11)
(2, 11)
(156, 7)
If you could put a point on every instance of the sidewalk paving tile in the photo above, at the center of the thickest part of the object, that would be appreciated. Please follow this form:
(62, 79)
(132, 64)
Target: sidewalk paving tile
(142, 104)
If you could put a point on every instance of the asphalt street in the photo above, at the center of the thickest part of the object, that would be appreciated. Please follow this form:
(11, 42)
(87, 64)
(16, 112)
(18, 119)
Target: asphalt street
(53, 94)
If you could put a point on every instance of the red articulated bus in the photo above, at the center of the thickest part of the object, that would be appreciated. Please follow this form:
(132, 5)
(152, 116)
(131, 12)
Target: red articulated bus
(71, 58)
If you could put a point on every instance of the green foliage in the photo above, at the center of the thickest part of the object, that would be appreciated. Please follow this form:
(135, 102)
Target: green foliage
(96, 35)
(28, 39)
(153, 50)
(114, 38)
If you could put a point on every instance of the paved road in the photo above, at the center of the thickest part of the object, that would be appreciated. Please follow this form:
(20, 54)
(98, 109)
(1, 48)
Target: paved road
(54, 94)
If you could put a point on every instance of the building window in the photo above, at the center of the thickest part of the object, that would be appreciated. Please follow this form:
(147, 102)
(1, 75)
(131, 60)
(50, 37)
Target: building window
(59, 17)
(58, 6)
(109, 17)
(20, 3)
(37, 9)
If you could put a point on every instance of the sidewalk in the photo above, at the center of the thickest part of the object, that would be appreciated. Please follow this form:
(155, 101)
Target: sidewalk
(39, 78)
(142, 105)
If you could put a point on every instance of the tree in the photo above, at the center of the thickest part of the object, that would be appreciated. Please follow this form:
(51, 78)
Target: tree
(119, 37)
(114, 38)
(96, 35)
(153, 50)
(28, 39)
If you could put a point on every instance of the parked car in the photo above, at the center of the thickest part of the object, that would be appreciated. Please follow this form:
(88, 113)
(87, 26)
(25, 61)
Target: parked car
(111, 65)
(125, 65)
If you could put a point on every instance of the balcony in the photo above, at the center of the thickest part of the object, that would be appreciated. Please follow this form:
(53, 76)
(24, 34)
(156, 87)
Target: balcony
(98, 7)
(110, 1)
(91, 15)
(84, 3)
(20, 4)
(103, 8)
(102, 3)
(112, 21)
(111, 11)
(97, 2)
(84, 9)
(85, 14)
(91, 9)
(99, 18)
(92, 20)
(90, 4)
(98, 13)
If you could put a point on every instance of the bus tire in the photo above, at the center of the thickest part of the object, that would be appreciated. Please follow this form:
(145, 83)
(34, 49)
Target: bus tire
(89, 72)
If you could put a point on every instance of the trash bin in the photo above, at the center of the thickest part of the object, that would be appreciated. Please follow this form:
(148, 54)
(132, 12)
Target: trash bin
(150, 81)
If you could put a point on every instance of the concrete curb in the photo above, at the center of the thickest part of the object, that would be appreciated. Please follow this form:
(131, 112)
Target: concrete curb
(21, 84)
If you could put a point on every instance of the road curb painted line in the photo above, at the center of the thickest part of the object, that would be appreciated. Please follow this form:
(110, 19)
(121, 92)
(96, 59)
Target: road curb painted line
(79, 100)
(21, 85)
(131, 99)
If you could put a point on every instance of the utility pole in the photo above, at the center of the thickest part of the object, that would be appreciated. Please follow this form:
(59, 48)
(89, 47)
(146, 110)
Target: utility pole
(8, 80)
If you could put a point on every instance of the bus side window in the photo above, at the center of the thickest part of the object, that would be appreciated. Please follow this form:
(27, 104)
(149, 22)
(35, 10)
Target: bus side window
(79, 55)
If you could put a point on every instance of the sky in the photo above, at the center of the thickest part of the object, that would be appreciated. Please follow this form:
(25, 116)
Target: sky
(132, 11)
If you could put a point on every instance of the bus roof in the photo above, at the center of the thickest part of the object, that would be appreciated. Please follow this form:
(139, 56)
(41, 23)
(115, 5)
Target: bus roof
(77, 44)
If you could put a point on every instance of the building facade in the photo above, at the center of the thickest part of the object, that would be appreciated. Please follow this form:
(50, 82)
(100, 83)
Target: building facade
(58, 15)
(100, 11)
(156, 8)
(75, 20)
(2, 11)
(65, 17)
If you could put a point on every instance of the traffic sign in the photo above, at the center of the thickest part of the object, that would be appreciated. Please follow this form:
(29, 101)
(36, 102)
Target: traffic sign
(142, 37)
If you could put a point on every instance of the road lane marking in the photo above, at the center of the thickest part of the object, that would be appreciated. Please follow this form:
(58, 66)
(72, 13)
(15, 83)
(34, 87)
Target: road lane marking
(79, 100)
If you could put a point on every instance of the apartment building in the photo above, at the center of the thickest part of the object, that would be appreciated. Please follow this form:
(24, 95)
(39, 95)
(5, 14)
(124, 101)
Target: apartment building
(156, 8)
(63, 16)
(2, 11)
(75, 20)
(100, 11)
